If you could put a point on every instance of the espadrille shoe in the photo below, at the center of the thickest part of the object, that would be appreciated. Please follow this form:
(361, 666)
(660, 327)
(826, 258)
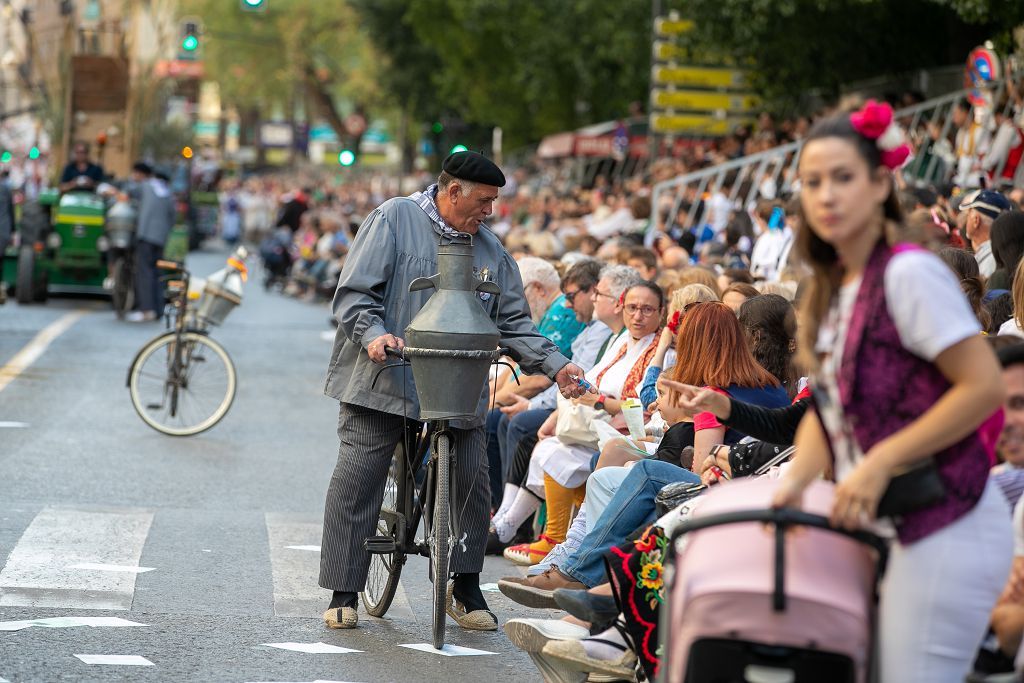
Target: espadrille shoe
(477, 620)
(341, 617)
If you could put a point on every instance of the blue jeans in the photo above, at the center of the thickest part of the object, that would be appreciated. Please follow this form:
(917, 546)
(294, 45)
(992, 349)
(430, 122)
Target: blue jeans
(630, 508)
(494, 461)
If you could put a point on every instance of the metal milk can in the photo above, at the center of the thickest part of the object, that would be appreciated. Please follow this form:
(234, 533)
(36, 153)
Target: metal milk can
(452, 341)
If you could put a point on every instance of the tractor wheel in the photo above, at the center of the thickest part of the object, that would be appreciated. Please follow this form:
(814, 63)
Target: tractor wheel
(26, 275)
(41, 291)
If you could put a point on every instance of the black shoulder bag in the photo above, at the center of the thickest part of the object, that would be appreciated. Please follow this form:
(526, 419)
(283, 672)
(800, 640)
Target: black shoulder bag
(915, 487)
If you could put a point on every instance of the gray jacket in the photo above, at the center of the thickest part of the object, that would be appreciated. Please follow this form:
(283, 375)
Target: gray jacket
(156, 211)
(396, 244)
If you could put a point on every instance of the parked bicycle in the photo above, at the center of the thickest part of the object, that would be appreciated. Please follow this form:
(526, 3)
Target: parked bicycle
(183, 382)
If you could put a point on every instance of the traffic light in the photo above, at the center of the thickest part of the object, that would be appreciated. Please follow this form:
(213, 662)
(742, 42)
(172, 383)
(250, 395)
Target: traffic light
(458, 148)
(346, 157)
(5, 158)
(33, 153)
(189, 39)
(186, 152)
(253, 5)
(438, 127)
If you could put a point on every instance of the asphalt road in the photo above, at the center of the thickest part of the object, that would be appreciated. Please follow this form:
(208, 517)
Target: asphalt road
(84, 480)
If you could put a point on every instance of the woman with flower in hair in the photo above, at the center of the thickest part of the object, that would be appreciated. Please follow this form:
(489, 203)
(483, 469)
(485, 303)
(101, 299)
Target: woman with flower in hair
(903, 382)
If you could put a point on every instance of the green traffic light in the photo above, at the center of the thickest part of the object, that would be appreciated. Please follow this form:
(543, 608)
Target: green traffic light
(5, 158)
(33, 153)
(189, 43)
(437, 127)
(253, 3)
(346, 157)
(458, 148)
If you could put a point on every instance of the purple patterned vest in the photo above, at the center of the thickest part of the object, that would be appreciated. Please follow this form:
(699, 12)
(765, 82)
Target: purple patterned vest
(884, 387)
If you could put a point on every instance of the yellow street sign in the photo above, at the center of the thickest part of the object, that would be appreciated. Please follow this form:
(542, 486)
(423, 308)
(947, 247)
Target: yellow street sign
(695, 124)
(672, 27)
(702, 100)
(700, 76)
(665, 51)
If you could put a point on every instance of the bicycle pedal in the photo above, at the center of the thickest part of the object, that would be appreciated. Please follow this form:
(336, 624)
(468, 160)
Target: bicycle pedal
(379, 545)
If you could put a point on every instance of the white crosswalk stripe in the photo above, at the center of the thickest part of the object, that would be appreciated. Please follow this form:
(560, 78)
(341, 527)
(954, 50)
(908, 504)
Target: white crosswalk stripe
(90, 558)
(38, 571)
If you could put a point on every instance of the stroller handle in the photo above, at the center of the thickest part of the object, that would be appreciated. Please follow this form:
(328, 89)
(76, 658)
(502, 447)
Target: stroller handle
(783, 518)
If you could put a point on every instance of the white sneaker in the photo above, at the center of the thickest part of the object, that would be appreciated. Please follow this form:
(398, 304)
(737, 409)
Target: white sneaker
(531, 635)
(140, 317)
(108, 283)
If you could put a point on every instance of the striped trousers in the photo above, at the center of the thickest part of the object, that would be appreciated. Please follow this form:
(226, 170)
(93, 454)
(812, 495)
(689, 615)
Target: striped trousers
(367, 441)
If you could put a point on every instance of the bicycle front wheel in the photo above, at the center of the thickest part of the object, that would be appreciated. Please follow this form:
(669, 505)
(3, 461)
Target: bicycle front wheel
(440, 547)
(184, 393)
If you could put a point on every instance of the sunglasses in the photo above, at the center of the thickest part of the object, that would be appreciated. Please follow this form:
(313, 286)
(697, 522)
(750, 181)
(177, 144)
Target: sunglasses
(571, 296)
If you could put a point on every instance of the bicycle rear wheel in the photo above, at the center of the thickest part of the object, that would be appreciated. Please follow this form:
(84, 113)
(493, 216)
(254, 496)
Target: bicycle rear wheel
(184, 394)
(440, 546)
(386, 568)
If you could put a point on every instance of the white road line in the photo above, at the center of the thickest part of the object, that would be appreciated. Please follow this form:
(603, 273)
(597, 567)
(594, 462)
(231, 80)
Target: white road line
(37, 572)
(295, 574)
(35, 348)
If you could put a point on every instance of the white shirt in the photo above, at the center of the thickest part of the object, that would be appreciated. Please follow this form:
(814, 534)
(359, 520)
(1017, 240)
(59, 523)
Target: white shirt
(986, 261)
(720, 210)
(930, 312)
(770, 250)
(1010, 327)
(613, 380)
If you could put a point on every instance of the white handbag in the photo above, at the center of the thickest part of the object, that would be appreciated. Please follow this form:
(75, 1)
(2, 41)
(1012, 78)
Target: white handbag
(575, 423)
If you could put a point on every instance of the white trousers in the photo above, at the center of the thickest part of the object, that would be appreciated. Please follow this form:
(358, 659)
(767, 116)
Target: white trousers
(938, 593)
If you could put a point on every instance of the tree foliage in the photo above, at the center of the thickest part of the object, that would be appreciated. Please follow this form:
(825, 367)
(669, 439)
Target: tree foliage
(800, 45)
(307, 51)
(531, 68)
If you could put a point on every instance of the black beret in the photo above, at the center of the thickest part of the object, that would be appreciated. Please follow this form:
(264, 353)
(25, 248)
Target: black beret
(474, 167)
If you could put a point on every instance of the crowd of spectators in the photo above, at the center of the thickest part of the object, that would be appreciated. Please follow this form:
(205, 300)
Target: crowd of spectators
(652, 310)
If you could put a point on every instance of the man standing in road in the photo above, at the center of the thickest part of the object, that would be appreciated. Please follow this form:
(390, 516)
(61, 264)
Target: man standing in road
(397, 243)
(156, 219)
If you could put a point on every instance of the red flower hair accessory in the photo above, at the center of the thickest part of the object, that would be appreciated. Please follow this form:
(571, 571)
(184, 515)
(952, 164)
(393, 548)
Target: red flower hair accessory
(875, 122)
(673, 322)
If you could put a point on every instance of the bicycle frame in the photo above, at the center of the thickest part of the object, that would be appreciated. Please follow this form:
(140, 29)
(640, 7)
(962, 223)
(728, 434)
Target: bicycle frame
(404, 521)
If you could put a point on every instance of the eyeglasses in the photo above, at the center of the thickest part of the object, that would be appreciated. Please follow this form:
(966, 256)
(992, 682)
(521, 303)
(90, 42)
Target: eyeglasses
(598, 292)
(571, 296)
(645, 311)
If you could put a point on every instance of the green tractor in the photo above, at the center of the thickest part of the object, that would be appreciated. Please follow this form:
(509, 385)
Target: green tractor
(61, 248)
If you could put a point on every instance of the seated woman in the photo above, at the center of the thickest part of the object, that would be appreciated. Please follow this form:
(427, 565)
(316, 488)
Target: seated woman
(665, 355)
(558, 471)
(715, 349)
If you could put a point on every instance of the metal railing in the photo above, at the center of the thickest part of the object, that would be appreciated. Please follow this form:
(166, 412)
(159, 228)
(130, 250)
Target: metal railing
(771, 174)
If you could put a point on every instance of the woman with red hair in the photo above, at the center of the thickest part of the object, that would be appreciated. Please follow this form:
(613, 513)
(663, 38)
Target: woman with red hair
(712, 351)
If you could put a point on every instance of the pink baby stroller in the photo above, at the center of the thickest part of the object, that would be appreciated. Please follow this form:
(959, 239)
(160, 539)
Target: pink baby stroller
(759, 595)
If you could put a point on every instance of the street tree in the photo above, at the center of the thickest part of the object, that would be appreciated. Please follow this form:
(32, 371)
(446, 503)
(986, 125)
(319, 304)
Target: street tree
(297, 54)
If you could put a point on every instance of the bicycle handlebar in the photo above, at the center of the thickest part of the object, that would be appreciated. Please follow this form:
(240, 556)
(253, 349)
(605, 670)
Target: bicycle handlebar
(453, 353)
